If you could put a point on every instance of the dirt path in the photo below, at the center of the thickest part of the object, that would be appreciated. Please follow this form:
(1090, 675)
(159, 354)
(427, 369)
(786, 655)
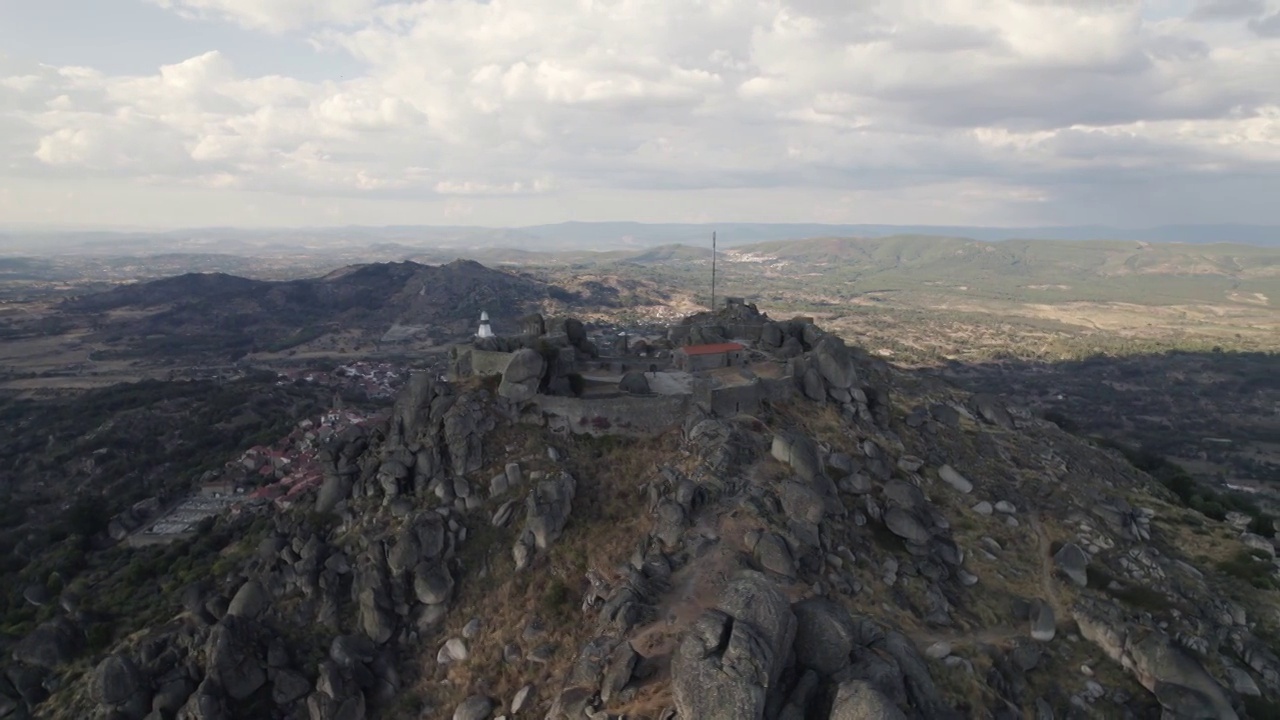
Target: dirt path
(1004, 633)
(1047, 587)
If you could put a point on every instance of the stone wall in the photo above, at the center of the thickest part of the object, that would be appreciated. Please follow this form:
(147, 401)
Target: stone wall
(731, 400)
(624, 365)
(777, 390)
(468, 361)
(737, 399)
(621, 415)
(747, 333)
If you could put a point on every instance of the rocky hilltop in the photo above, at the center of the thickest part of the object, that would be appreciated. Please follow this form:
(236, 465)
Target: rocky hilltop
(880, 545)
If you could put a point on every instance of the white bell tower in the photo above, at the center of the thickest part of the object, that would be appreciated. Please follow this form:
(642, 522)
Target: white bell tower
(485, 331)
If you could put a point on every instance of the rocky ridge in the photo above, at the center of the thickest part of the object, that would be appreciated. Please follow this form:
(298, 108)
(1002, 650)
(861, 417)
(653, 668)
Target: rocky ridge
(883, 546)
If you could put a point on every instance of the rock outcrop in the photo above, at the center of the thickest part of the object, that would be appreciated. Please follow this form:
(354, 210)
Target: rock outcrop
(733, 655)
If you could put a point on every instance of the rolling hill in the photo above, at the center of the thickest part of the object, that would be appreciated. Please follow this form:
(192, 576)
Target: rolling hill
(216, 312)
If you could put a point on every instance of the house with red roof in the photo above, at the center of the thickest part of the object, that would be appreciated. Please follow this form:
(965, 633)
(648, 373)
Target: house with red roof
(693, 358)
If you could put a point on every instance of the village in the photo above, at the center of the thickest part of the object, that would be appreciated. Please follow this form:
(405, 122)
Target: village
(278, 474)
(374, 380)
(599, 379)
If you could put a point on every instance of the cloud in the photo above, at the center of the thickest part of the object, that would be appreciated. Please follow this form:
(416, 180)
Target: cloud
(1267, 26)
(1227, 9)
(1011, 100)
(272, 15)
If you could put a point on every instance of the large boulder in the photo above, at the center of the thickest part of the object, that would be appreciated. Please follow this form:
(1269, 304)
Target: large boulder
(116, 680)
(860, 700)
(952, 477)
(249, 601)
(1072, 560)
(523, 375)
(618, 671)
(800, 453)
(549, 505)
(991, 410)
(432, 583)
(51, 644)
(234, 658)
(420, 540)
(1163, 667)
(412, 408)
(835, 362)
(465, 421)
(335, 489)
(476, 707)
(731, 656)
(906, 525)
(1257, 542)
(1043, 622)
(1179, 681)
(773, 555)
(206, 703)
(801, 502)
(288, 686)
(825, 635)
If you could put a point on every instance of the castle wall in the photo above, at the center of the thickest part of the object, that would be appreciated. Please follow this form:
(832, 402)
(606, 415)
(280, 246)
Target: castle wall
(748, 333)
(621, 415)
(736, 399)
(624, 365)
(489, 362)
(777, 389)
(746, 398)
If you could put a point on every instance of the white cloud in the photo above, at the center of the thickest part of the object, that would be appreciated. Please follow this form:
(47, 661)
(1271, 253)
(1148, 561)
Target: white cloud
(273, 15)
(1007, 101)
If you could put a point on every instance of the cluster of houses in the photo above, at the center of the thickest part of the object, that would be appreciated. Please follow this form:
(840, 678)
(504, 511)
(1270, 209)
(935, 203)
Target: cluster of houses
(372, 379)
(285, 471)
(278, 474)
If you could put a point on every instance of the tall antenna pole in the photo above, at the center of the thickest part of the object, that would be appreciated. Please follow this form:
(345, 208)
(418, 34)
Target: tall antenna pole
(713, 271)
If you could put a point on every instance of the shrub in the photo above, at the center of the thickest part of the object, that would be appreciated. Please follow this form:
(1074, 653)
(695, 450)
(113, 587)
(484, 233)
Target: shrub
(99, 637)
(1250, 566)
(1264, 525)
(558, 600)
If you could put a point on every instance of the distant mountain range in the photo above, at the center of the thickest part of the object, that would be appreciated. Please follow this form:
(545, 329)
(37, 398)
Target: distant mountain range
(572, 236)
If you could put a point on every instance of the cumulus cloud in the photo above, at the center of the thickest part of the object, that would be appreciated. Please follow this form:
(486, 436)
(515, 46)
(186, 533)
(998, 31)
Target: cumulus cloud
(1009, 100)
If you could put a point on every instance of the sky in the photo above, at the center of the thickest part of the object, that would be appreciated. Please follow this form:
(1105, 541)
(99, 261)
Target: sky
(272, 113)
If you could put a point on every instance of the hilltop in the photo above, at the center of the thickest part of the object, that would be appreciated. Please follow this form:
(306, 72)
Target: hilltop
(803, 532)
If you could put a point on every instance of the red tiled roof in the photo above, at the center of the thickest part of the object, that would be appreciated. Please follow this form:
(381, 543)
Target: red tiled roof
(712, 349)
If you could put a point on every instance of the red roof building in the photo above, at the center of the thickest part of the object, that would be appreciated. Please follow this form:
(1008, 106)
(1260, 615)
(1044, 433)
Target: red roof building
(692, 358)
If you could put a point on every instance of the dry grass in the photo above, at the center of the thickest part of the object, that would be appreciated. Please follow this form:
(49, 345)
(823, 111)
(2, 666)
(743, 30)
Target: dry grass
(607, 519)
(822, 423)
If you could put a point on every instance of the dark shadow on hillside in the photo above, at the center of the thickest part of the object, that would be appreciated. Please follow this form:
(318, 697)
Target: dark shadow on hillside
(1206, 424)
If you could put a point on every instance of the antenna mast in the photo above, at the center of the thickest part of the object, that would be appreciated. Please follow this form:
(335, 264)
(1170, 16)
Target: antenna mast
(713, 271)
